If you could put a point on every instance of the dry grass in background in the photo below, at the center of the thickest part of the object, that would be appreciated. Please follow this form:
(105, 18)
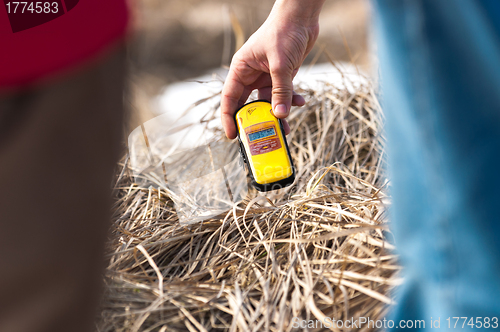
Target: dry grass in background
(313, 250)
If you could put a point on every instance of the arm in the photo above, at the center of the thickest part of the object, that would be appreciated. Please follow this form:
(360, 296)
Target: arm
(270, 59)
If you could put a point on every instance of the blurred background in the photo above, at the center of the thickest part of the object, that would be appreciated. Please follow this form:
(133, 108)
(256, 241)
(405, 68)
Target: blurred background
(178, 40)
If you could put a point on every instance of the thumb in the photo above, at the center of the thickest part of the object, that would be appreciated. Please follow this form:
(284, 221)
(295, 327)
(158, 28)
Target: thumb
(282, 89)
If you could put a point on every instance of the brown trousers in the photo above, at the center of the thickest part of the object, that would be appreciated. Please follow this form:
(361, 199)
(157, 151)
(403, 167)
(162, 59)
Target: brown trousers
(59, 144)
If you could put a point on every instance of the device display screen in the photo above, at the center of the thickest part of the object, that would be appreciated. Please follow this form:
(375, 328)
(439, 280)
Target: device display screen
(261, 134)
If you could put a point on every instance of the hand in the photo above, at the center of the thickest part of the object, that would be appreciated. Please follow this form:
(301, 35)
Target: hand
(268, 61)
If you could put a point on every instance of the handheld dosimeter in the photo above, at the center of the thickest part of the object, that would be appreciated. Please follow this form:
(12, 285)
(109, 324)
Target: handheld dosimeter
(263, 146)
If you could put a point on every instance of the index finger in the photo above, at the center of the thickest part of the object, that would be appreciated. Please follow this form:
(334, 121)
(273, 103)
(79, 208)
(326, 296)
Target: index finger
(231, 94)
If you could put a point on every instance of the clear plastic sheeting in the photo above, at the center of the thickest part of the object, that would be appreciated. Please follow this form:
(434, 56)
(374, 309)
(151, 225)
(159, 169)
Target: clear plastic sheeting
(204, 178)
(209, 184)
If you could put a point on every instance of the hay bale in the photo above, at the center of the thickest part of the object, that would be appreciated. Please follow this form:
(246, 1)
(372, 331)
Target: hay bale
(314, 250)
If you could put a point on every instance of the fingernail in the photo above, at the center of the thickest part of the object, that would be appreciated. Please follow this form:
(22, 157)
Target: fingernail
(280, 110)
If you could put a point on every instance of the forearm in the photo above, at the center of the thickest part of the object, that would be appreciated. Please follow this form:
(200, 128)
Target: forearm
(303, 12)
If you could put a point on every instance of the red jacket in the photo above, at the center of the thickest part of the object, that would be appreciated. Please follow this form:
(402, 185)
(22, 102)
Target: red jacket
(51, 36)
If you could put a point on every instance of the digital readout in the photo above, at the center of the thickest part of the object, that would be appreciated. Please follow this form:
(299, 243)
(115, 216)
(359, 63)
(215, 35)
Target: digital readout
(261, 134)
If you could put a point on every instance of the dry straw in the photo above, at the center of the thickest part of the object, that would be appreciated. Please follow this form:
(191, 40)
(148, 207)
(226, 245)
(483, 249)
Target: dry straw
(315, 250)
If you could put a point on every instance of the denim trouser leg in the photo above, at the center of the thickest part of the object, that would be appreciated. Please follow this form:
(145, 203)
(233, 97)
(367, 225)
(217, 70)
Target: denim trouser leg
(440, 76)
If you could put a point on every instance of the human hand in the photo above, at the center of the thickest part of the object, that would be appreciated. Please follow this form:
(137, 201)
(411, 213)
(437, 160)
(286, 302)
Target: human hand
(268, 62)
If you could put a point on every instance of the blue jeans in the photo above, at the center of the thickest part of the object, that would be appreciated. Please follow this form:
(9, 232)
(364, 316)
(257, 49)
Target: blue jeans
(440, 78)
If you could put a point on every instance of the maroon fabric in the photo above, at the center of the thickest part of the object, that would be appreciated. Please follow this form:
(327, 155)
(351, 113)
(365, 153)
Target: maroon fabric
(70, 4)
(63, 35)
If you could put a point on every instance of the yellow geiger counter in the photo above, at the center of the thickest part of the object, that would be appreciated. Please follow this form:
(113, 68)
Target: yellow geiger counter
(263, 146)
